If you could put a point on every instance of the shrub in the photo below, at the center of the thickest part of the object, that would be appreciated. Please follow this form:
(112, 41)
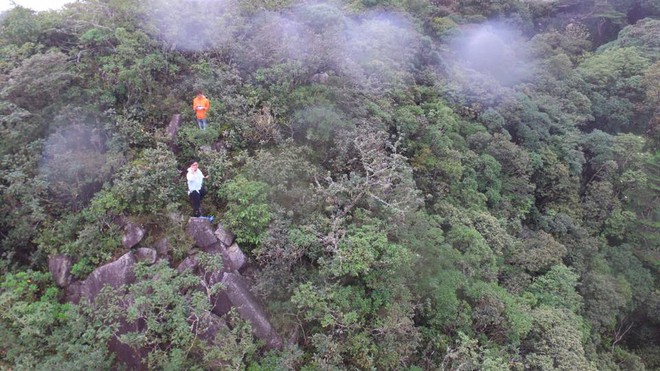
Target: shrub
(248, 212)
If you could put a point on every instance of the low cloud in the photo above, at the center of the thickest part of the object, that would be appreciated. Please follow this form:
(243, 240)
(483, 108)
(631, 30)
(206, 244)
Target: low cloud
(372, 49)
(494, 50)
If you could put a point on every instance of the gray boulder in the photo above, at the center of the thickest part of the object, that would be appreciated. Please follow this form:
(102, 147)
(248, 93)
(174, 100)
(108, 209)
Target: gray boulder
(133, 234)
(189, 263)
(219, 242)
(162, 247)
(234, 258)
(128, 357)
(225, 237)
(249, 309)
(116, 274)
(173, 127)
(236, 292)
(220, 303)
(212, 329)
(201, 231)
(73, 292)
(146, 255)
(60, 268)
(208, 325)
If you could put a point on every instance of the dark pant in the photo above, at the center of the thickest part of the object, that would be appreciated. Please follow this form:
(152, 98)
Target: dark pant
(196, 201)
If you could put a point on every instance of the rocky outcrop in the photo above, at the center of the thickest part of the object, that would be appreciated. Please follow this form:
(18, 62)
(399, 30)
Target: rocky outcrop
(133, 234)
(60, 269)
(127, 356)
(219, 242)
(237, 292)
(224, 236)
(208, 325)
(173, 127)
(116, 274)
(189, 263)
(220, 304)
(146, 255)
(201, 231)
(120, 273)
(162, 247)
(247, 306)
(235, 257)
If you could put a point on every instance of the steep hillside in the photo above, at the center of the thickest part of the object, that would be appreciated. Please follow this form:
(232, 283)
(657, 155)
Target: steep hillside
(415, 184)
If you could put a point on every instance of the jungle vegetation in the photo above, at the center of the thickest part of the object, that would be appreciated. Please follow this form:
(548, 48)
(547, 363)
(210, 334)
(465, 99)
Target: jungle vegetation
(419, 184)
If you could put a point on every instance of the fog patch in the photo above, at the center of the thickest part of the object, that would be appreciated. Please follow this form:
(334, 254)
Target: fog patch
(378, 49)
(319, 123)
(193, 25)
(75, 164)
(373, 49)
(494, 50)
(277, 38)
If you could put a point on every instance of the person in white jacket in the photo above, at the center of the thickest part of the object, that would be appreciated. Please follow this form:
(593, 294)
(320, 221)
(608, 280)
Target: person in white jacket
(196, 189)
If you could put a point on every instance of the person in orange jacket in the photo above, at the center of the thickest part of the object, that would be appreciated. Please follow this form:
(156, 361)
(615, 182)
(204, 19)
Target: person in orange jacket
(201, 105)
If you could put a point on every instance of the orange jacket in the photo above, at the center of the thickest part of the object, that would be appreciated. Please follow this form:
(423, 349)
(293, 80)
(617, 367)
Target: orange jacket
(201, 104)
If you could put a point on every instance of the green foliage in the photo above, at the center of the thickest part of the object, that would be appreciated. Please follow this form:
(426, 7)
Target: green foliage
(444, 26)
(488, 178)
(623, 261)
(605, 296)
(87, 236)
(39, 81)
(248, 213)
(19, 128)
(265, 4)
(501, 316)
(381, 181)
(231, 346)
(129, 72)
(288, 173)
(74, 166)
(366, 252)
(556, 341)
(149, 183)
(338, 315)
(468, 354)
(554, 182)
(648, 227)
(176, 326)
(287, 359)
(443, 309)
(598, 201)
(130, 133)
(478, 259)
(615, 80)
(191, 139)
(40, 333)
(19, 26)
(516, 165)
(318, 123)
(403, 212)
(557, 289)
(539, 252)
(21, 212)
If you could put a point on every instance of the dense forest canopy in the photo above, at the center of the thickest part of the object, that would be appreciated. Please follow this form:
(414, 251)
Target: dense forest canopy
(420, 185)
